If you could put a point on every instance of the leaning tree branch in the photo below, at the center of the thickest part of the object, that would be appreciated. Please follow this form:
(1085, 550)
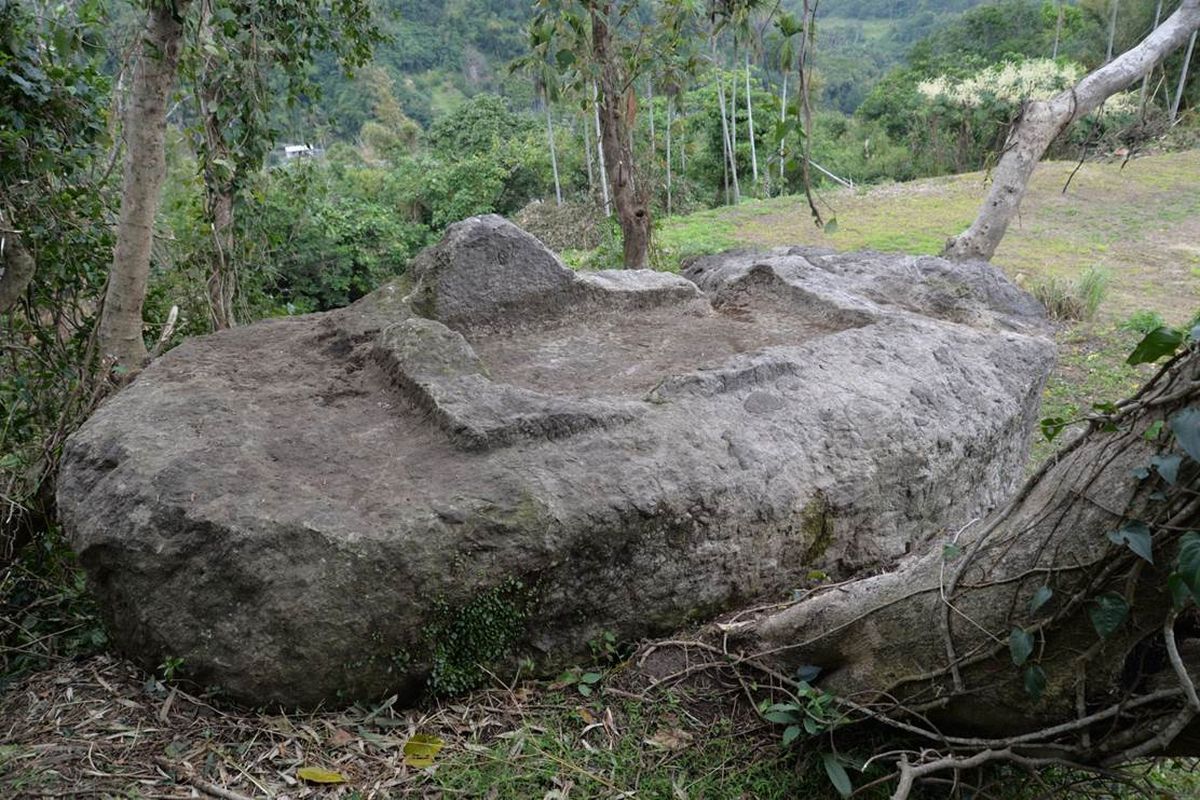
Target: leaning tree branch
(1043, 120)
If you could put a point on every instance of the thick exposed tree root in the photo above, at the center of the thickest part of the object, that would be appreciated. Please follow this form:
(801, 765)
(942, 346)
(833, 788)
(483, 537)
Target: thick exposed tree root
(1045, 633)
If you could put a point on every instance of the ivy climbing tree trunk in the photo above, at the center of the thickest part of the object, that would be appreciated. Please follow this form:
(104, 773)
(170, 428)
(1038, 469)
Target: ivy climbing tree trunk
(613, 107)
(1043, 120)
(120, 331)
(219, 170)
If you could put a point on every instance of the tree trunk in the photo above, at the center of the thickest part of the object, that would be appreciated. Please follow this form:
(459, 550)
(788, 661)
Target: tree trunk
(650, 113)
(733, 82)
(633, 210)
(120, 332)
(1183, 72)
(670, 121)
(727, 141)
(1146, 77)
(219, 182)
(587, 150)
(600, 151)
(18, 269)
(222, 281)
(750, 123)
(1009, 634)
(553, 154)
(1112, 30)
(1058, 27)
(782, 118)
(805, 75)
(1043, 120)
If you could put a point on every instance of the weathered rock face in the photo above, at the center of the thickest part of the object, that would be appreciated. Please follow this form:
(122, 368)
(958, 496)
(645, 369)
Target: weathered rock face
(499, 457)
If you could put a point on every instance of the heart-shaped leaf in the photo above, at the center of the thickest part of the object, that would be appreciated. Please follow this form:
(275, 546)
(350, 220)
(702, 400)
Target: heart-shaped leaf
(1186, 427)
(1052, 427)
(1180, 592)
(1168, 466)
(1157, 343)
(1035, 681)
(1108, 614)
(1020, 645)
(807, 672)
(1189, 560)
(1136, 536)
(1040, 598)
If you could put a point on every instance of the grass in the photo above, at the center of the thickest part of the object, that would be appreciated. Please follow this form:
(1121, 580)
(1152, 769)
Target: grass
(1139, 223)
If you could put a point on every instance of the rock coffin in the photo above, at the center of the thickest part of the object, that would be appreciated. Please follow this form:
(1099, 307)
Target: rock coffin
(496, 457)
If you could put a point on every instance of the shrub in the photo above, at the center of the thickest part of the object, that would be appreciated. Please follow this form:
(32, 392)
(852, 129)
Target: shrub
(1071, 300)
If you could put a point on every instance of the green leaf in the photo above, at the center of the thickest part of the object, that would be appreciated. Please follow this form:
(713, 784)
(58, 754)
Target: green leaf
(1040, 598)
(1020, 645)
(812, 726)
(1136, 536)
(1108, 613)
(1161, 341)
(590, 677)
(584, 690)
(1188, 563)
(1052, 427)
(951, 552)
(1186, 427)
(831, 226)
(807, 672)
(1154, 430)
(782, 717)
(421, 749)
(1168, 467)
(790, 734)
(1035, 681)
(837, 774)
(318, 775)
(1179, 590)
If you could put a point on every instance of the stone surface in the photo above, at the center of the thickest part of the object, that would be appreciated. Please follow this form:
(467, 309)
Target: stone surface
(496, 457)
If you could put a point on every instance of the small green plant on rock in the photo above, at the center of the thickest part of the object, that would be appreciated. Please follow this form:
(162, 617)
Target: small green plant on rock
(466, 642)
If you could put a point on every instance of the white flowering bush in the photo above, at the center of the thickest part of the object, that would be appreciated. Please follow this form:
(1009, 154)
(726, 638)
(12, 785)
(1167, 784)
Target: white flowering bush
(1014, 82)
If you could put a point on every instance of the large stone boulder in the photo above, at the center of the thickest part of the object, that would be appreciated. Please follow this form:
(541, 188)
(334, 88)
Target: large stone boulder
(496, 457)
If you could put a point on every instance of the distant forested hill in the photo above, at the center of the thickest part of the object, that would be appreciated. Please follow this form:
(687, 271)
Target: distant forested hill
(442, 51)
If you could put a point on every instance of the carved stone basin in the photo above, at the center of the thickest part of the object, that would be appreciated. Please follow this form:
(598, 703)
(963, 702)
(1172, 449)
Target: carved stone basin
(497, 457)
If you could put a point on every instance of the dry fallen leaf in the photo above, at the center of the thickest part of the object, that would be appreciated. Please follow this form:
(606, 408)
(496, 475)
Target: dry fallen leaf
(670, 739)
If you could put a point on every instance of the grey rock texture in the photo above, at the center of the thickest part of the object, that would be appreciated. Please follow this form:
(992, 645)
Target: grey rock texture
(497, 457)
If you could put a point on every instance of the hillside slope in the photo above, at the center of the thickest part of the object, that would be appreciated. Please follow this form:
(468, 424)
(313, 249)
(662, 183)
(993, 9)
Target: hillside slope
(1140, 222)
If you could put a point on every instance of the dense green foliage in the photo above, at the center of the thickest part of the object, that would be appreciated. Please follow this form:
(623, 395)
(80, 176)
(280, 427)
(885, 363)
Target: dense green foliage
(56, 197)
